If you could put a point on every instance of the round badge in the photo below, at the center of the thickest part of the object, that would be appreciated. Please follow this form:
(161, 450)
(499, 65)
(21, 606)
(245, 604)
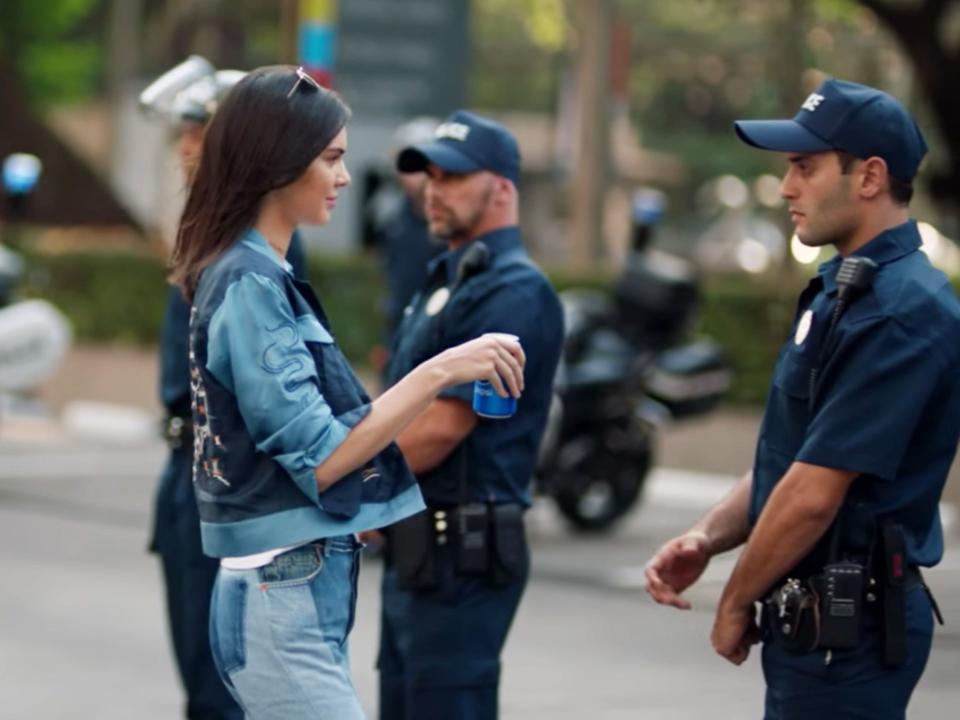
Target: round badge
(437, 301)
(803, 327)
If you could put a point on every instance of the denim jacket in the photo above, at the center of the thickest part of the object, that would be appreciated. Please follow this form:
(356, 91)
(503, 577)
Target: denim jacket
(272, 398)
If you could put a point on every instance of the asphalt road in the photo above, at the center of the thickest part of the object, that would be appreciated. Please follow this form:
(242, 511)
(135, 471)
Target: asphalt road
(82, 633)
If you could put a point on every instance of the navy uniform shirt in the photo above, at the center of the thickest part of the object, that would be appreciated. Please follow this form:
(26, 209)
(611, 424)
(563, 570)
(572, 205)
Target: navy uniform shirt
(511, 295)
(174, 365)
(887, 404)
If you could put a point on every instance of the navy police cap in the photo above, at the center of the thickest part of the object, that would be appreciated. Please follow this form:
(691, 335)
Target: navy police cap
(466, 143)
(841, 115)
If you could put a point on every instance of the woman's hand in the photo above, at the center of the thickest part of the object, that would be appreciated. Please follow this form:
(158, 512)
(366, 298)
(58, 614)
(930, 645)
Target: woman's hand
(495, 357)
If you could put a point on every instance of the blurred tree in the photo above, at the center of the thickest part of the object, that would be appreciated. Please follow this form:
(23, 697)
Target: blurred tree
(929, 32)
(524, 41)
(50, 52)
(54, 46)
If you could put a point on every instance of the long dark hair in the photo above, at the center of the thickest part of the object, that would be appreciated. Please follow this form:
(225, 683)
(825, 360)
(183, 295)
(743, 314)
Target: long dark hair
(264, 135)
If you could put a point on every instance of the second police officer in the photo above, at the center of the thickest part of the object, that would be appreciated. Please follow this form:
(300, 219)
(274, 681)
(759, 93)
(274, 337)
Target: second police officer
(455, 574)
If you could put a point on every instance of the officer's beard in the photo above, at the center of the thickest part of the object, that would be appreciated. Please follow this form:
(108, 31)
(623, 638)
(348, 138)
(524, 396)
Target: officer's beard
(455, 230)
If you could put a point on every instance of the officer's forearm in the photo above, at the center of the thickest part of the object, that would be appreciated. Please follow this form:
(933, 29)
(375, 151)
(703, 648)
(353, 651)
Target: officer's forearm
(798, 513)
(389, 414)
(726, 525)
(435, 433)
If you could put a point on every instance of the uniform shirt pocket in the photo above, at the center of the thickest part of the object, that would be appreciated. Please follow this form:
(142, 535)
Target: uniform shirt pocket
(790, 416)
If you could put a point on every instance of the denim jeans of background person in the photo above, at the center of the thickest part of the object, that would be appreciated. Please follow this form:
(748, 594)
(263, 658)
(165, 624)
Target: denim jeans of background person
(443, 630)
(291, 458)
(860, 428)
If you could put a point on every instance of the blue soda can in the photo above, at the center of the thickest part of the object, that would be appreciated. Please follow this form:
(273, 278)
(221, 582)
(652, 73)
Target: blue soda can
(487, 403)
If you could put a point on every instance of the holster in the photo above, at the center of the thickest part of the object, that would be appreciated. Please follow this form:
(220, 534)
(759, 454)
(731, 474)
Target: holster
(892, 576)
(410, 548)
(791, 616)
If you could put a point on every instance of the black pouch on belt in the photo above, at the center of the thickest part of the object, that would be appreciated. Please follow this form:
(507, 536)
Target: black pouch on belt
(473, 539)
(411, 549)
(509, 556)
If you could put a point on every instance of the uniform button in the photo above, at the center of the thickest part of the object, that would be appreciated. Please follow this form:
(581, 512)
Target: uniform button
(440, 515)
(441, 525)
(441, 539)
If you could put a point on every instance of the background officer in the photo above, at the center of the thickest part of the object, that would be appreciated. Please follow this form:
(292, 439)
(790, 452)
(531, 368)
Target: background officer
(400, 227)
(860, 428)
(187, 98)
(455, 574)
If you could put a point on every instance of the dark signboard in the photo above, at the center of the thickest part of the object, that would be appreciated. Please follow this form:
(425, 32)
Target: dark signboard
(402, 57)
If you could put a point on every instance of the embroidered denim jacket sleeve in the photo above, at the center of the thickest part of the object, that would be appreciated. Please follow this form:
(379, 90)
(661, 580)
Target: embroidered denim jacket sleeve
(255, 349)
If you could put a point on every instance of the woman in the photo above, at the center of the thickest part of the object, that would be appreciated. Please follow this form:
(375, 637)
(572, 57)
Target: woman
(290, 456)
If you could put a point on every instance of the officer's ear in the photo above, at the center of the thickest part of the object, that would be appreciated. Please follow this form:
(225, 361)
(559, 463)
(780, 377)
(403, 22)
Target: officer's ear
(504, 191)
(873, 177)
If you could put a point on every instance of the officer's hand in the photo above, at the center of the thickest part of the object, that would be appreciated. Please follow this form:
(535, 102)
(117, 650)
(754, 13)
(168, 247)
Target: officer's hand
(675, 567)
(494, 357)
(734, 631)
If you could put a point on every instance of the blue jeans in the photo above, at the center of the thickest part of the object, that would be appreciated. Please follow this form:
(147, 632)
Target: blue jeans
(855, 685)
(279, 633)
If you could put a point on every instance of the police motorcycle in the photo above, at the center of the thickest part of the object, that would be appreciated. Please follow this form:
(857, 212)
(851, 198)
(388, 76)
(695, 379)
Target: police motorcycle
(34, 335)
(628, 367)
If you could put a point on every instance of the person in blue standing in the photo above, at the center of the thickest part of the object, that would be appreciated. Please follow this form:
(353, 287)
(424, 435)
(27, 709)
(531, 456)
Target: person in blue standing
(188, 574)
(400, 228)
(454, 575)
(290, 457)
(861, 425)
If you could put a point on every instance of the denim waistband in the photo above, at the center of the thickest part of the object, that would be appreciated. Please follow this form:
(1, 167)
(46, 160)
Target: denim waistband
(318, 548)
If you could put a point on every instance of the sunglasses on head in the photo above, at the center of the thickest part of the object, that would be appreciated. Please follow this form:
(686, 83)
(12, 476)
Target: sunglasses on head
(303, 77)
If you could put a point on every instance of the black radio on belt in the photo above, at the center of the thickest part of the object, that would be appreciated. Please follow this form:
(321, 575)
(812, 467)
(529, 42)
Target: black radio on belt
(840, 587)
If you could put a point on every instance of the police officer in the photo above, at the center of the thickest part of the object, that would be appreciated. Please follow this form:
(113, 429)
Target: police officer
(188, 96)
(454, 575)
(400, 228)
(860, 428)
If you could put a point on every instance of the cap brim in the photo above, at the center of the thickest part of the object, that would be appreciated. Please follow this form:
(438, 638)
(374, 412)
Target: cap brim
(780, 136)
(444, 156)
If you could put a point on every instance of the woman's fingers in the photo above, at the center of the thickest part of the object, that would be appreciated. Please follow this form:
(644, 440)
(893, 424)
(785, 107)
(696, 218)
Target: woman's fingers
(510, 367)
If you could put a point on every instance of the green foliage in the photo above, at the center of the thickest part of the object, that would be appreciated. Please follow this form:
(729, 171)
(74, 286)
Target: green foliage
(349, 287)
(57, 46)
(119, 297)
(108, 296)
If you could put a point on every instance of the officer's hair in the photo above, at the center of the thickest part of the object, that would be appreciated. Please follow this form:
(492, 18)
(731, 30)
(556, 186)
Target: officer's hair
(266, 132)
(900, 191)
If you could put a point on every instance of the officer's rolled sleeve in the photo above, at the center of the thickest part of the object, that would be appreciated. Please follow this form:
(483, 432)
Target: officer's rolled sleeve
(507, 311)
(256, 350)
(872, 394)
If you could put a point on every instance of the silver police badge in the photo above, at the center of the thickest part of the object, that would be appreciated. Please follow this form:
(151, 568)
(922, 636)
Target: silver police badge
(437, 301)
(803, 327)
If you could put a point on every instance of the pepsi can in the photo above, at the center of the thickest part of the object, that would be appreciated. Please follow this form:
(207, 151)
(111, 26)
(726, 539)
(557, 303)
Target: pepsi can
(487, 403)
